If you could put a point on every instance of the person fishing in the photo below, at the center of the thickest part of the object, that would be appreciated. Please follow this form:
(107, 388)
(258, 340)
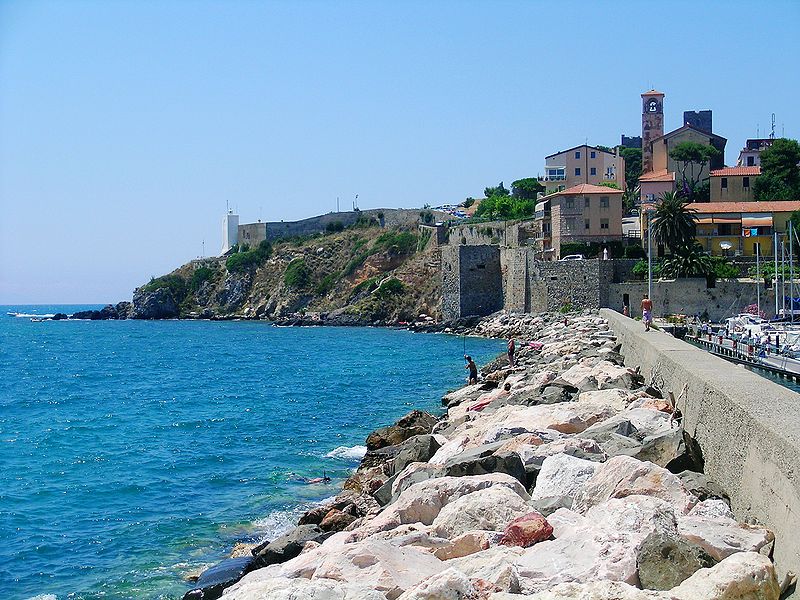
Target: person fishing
(473, 369)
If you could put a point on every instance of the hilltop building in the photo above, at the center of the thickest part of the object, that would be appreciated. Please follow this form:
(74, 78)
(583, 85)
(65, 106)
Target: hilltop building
(733, 184)
(652, 125)
(750, 155)
(583, 164)
(230, 231)
(699, 119)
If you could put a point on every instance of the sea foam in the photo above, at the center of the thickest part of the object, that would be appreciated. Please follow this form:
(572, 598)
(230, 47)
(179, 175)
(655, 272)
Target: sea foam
(347, 452)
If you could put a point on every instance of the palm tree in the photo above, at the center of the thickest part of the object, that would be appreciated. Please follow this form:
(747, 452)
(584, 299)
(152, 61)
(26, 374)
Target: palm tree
(690, 260)
(673, 224)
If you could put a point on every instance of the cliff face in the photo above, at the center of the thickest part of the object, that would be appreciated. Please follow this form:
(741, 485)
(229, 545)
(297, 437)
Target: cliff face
(357, 276)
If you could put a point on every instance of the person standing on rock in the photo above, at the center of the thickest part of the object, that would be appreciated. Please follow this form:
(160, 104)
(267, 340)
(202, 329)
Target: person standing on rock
(473, 369)
(511, 348)
(647, 312)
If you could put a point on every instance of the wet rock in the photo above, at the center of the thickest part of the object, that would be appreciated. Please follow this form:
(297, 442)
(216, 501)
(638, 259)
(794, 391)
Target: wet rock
(416, 422)
(287, 546)
(665, 561)
(336, 520)
(213, 581)
(527, 530)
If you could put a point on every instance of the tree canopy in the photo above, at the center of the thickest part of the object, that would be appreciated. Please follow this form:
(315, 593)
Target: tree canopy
(633, 166)
(780, 175)
(505, 207)
(500, 190)
(693, 157)
(673, 224)
(527, 188)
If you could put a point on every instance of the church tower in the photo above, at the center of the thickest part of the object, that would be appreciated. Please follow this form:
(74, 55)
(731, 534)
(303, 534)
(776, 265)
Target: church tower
(652, 125)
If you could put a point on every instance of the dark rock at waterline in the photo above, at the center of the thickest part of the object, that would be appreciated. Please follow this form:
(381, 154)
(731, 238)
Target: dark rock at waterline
(418, 448)
(59, 317)
(504, 462)
(702, 486)
(287, 546)
(336, 520)
(665, 562)
(213, 581)
(158, 304)
(417, 422)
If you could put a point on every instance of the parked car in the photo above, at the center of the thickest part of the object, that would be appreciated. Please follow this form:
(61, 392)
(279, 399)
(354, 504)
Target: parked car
(572, 257)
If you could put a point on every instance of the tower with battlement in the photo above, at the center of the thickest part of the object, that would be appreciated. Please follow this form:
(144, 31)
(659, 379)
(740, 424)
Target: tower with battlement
(652, 125)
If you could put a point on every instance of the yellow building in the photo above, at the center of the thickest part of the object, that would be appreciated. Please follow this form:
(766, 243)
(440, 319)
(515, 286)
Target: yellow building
(661, 147)
(743, 225)
(734, 184)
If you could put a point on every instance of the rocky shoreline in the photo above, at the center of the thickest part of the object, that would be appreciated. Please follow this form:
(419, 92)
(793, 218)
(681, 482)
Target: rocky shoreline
(562, 477)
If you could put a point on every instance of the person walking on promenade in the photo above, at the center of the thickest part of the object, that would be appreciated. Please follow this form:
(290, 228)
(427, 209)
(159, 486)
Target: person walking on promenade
(511, 348)
(473, 369)
(626, 311)
(647, 312)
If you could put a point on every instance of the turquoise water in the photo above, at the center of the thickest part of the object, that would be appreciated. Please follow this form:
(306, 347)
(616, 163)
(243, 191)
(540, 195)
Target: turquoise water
(133, 452)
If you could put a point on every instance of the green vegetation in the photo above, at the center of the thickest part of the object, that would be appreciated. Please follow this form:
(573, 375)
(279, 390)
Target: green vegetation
(363, 222)
(721, 268)
(635, 252)
(690, 260)
(499, 190)
(468, 202)
(594, 249)
(396, 242)
(505, 207)
(174, 283)
(633, 166)
(693, 157)
(326, 285)
(246, 260)
(354, 263)
(199, 277)
(673, 224)
(334, 227)
(609, 184)
(297, 274)
(426, 216)
(566, 308)
(390, 287)
(365, 286)
(780, 175)
(526, 189)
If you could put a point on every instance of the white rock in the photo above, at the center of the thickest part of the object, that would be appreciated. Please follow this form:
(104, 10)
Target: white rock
(495, 565)
(712, 507)
(595, 590)
(617, 398)
(742, 576)
(722, 536)
(490, 510)
(568, 445)
(562, 475)
(468, 543)
(624, 476)
(415, 472)
(603, 375)
(279, 588)
(381, 565)
(422, 502)
(450, 584)
(452, 448)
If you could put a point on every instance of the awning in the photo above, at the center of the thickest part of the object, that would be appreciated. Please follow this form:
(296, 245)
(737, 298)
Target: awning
(731, 219)
(704, 221)
(756, 220)
(541, 206)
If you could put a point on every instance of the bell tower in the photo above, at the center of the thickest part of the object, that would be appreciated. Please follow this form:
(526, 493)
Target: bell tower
(652, 125)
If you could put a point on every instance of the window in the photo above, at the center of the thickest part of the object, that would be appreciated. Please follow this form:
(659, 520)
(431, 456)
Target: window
(577, 154)
(751, 161)
(586, 203)
(587, 224)
(746, 182)
(593, 154)
(604, 202)
(650, 197)
(577, 171)
(569, 223)
(569, 203)
(603, 223)
(724, 182)
(593, 171)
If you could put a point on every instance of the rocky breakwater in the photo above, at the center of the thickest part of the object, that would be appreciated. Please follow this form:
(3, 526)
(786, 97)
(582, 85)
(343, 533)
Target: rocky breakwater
(560, 478)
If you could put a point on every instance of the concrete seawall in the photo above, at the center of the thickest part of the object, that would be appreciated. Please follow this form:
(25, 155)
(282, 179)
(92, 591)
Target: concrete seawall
(748, 428)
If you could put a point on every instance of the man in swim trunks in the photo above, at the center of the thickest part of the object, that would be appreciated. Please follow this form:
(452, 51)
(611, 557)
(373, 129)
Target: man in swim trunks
(473, 369)
(647, 312)
(511, 349)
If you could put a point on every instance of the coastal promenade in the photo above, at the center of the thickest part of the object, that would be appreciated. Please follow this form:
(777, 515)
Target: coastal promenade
(747, 427)
(566, 475)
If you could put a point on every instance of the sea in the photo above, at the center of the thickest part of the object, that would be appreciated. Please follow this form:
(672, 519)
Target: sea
(136, 453)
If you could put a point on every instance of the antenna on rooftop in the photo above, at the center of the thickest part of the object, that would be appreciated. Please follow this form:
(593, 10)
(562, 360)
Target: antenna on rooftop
(772, 133)
(227, 206)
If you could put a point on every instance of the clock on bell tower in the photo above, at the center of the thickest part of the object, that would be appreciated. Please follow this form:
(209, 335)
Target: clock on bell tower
(652, 125)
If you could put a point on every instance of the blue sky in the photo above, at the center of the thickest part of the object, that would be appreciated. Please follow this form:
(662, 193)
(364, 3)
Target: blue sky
(125, 126)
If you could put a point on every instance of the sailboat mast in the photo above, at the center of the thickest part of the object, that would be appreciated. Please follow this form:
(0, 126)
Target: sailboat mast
(775, 254)
(758, 281)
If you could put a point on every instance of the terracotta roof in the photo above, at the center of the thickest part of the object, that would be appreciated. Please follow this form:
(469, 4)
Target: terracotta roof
(587, 188)
(576, 147)
(685, 127)
(653, 93)
(732, 171)
(745, 207)
(662, 175)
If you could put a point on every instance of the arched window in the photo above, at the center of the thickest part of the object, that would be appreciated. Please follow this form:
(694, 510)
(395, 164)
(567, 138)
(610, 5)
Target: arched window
(652, 105)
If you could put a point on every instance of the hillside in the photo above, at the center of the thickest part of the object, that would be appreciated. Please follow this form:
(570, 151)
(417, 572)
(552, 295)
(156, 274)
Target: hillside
(361, 275)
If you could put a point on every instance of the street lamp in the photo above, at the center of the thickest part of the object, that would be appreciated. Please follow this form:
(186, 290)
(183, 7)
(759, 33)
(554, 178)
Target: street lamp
(649, 253)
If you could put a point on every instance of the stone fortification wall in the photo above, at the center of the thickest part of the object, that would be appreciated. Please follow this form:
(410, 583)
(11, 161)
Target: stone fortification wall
(505, 233)
(747, 427)
(580, 283)
(471, 281)
(253, 233)
(691, 297)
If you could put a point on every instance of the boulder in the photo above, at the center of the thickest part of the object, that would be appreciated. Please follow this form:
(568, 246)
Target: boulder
(416, 422)
(623, 476)
(381, 565)
(157, 304)
(336, 520)
(702, 486)
(527, 530)
(414, 473)
(450, 584)
(741, 576)
(665, 561)
(467, 543)
(213, 581)
(595, 590)
(636, 423)
(287, 546)
(662, 448)
(495, 566)
(418, 448)
(573, 446)
(502, 462)
(562, 475)
(619, 399)
(722, 536)
(488, 510)
(588, 375)
(281, 588)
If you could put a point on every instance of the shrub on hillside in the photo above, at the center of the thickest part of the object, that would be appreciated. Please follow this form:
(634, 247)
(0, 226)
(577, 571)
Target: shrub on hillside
(390, 287)
(249, 259)
(297, 274)
(326, 285)
(396, 242)
(199, 277)
(174, 283)
(334, 227)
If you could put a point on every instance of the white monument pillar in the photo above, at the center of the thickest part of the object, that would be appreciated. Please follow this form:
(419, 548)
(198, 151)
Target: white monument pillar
(230, 231)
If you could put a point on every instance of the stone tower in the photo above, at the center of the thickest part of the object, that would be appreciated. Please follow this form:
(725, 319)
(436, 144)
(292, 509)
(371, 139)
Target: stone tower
(652, 125)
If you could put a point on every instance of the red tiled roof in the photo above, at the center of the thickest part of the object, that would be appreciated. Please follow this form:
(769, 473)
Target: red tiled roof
(653, 93)
(587, 188)
(662, 175)
(732, 171)
(743, 207)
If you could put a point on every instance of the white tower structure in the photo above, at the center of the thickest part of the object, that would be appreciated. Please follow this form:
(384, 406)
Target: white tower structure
(230, 231)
